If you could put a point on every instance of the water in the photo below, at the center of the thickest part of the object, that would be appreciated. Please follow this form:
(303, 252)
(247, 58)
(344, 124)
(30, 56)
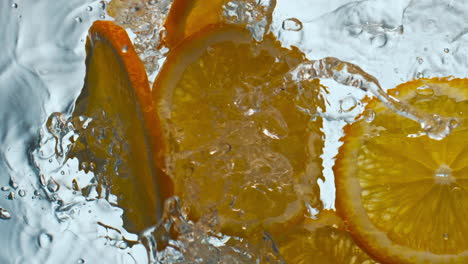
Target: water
(52, 210)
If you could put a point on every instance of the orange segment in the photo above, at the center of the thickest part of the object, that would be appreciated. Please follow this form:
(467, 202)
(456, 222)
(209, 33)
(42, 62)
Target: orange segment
(403, 195)
(233, 135)
(320, 241)
(117, 97)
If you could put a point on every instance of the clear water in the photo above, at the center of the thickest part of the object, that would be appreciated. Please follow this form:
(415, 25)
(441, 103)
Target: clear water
(45, 218)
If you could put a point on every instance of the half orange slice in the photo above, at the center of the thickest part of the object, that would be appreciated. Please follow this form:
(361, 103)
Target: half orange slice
(117, 97)
(404, 196)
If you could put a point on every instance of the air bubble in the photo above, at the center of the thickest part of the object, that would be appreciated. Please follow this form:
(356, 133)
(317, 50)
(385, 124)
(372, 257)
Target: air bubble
(348, 104)
(420, 60)
(78, 19)
(14, 5)
(292, 24)
(369, 115)
(124, 48)
(102, 16)
(53, 186)
(379, 41)
(445, 236)
(13, 184)
(22, 193)
(425, 91)
(80, 261)
(44, 240)
(11, 196)
(419, 75)
(5, 188)
(446, 50)
(4, 214)
(89, 8)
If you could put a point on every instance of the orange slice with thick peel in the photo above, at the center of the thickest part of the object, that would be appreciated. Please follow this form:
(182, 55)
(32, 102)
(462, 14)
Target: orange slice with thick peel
(402, 194)
(116, 95)
(187, 17)
(238, 135)
(320, 241)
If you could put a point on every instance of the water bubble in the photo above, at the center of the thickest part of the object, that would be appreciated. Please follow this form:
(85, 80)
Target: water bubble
(348, 104)
(102, 16)
(425, 91)
(453, 123)
(420, 60)
(124, 48)
(14, 5)
(44, 240)
(445, 236)
(22, 193)
(446, 50)
(379, 41)
(37, 193)
(78, 19)
(13, 184)
(89, 8)
(53, 186)
(80, 261)
(4, 214)
(292, 24)
(419, 75)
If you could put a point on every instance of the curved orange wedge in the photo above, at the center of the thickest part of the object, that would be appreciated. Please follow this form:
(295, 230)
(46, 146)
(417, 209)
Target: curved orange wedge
(403, 195)
(117, 97)
(233, 137)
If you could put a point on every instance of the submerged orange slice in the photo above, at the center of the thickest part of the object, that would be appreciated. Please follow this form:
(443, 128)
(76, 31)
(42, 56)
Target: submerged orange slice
(238, 134)
(117, 97)
(403, 195)
(320, 241)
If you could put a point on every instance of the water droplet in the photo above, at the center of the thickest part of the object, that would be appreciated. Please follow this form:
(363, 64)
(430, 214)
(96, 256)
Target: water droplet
(22, 193)
(4, 214)
(445, 236)
(124, 48)
(78, 19)
(369, 115)
(446, 50)
(425, 91)
(89, 8)
(348, 104)
(13, 184)
(292, 24)
(379, 41)
(44, 240)
(14, 5)
(52, 185)
(420, 60)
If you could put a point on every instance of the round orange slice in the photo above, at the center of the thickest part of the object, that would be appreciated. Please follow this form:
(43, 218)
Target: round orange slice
(403, 195)
(320, 241)
(116, 95)
(238, 135)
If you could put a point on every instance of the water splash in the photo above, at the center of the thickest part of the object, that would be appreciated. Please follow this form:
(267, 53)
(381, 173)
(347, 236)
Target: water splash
(434, 126)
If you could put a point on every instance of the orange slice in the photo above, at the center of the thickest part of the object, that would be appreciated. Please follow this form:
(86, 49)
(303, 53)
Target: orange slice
(320, 241)
(237, 134)
(403, 195)
(116, 95)
(187, 17)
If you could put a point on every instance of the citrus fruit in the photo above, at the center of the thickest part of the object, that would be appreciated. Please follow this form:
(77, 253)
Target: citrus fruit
(237, 133)
(116, 95)
(320, 241)
(402, 194)
(186, 17)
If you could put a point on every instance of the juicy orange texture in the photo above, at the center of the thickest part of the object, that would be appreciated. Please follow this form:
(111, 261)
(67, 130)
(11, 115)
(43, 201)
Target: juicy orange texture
(233, 135)
(403, 195)
(320, 241)
(117, 97)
